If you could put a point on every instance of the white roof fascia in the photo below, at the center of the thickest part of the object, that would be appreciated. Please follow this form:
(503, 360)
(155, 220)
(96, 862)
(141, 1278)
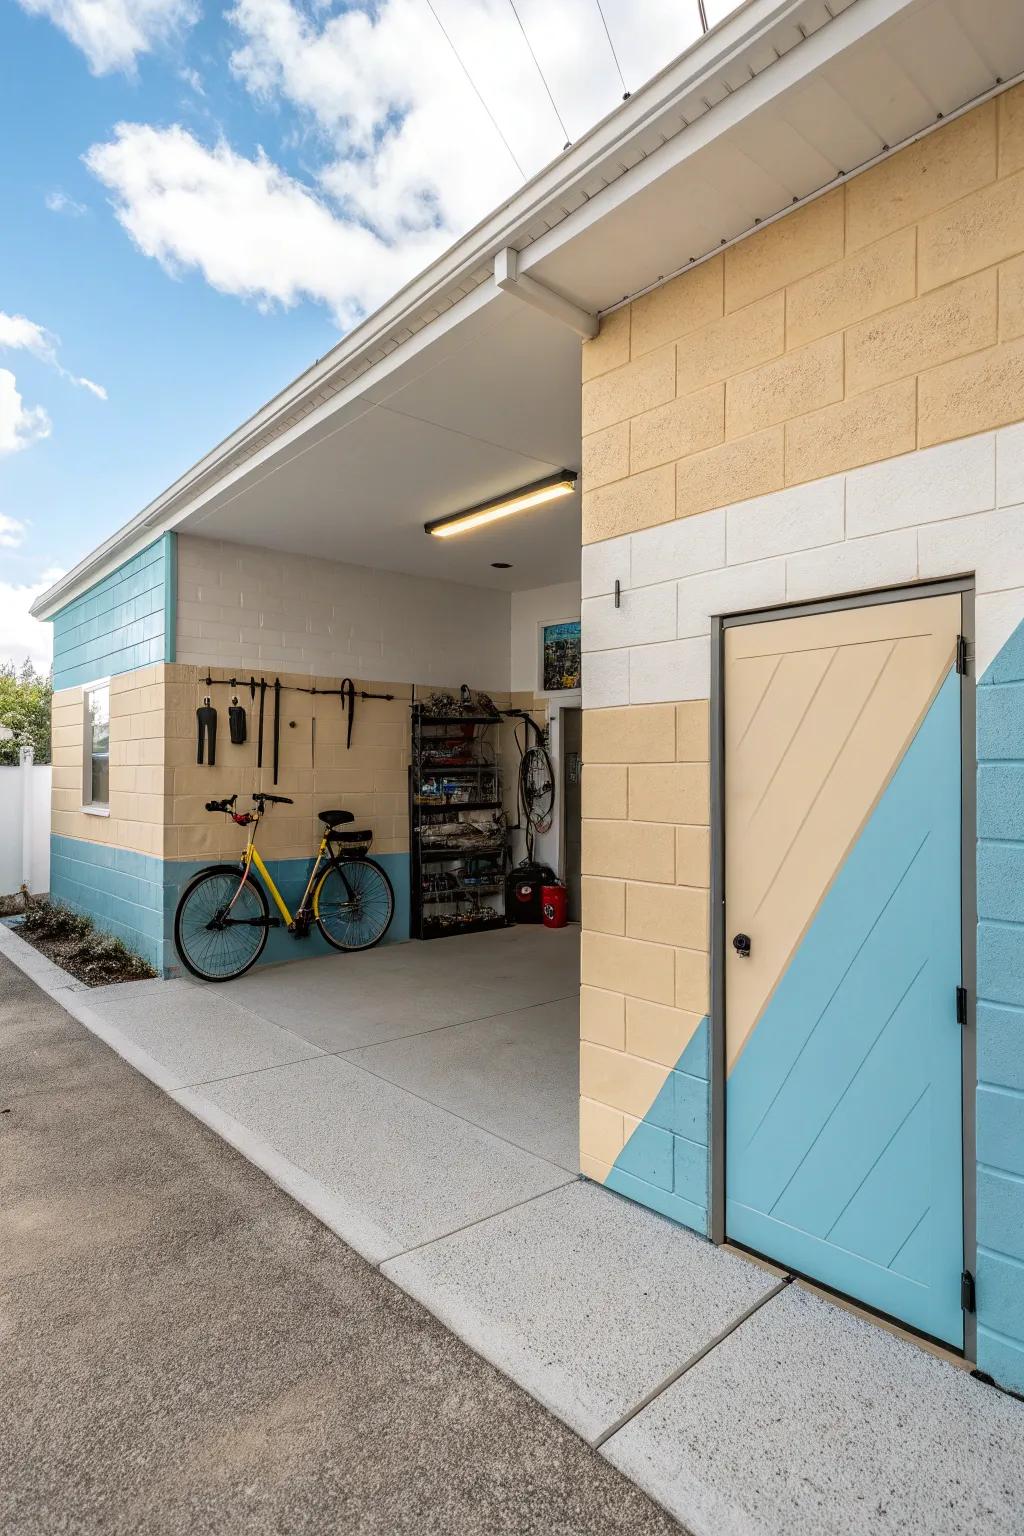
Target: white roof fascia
(652, 108)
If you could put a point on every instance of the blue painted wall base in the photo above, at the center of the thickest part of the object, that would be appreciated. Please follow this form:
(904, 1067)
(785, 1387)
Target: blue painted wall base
(134, 896)
(664, 1164)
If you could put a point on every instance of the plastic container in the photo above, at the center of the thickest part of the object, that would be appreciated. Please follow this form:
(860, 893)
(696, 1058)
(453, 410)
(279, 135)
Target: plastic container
(555, 906)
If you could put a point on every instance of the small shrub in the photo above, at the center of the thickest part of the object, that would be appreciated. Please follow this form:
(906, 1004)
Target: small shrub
(72, 941)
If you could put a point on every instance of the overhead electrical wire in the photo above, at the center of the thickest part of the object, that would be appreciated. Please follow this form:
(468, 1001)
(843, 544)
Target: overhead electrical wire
(611, 45)
(543, 77)
(476, 89)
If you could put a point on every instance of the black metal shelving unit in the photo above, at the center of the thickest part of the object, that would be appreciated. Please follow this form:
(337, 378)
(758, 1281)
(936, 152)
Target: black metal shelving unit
(455, 772)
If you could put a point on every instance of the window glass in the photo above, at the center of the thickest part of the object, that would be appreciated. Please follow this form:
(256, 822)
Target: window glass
(97, 744)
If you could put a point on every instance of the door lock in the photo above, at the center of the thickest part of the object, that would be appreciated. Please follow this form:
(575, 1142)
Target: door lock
(741, 944)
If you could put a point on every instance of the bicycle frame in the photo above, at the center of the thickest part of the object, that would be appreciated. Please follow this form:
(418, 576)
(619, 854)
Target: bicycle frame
(251, 857)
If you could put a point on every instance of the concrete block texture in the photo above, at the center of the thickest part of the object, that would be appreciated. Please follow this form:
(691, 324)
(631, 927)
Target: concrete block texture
(677, 308)
(885, 316)
(866, 1445)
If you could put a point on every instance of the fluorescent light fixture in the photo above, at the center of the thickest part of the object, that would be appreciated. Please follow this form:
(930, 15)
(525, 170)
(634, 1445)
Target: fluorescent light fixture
(562, 484)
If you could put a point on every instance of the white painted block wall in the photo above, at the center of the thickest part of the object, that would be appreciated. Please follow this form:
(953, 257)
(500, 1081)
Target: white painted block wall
(957, 509)
(240, 606)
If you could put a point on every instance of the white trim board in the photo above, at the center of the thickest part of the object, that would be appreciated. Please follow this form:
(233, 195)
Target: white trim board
(953, 510)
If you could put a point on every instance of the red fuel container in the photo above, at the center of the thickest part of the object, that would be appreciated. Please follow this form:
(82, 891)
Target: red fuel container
(555, 906)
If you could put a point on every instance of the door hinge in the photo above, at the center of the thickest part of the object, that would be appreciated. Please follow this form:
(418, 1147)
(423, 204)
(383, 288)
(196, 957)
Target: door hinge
(963, 655)
(967, 1291)
(961, 1005)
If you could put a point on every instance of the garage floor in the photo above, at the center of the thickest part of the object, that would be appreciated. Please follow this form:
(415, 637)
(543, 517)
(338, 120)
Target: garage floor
(421, 1101)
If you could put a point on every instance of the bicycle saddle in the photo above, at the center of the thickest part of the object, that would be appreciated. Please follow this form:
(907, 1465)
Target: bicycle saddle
(335, 818)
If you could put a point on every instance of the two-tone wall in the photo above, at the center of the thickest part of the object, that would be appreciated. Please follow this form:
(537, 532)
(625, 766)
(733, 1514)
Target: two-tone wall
(230, 610)
(828, 407)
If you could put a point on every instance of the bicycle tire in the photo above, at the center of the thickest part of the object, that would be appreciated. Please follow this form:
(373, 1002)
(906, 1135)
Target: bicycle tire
(190, 960)
(378, 930)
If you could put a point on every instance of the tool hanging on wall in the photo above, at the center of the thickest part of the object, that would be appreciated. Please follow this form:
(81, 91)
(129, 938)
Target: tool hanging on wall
(277, 725)
(347, 694)
(236, 723)
(206, 722)
(263, 700)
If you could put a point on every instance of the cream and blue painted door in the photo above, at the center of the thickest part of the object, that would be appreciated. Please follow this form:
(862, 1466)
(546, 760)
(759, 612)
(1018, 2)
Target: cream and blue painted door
(842, 868)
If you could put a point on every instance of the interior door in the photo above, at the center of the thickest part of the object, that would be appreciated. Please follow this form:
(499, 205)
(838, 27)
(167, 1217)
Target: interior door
(842, 804)
(572, 807)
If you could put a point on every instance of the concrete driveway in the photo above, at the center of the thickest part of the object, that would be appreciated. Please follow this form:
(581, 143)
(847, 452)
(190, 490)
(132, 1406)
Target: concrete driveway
(187, 1350)
(421, 1101)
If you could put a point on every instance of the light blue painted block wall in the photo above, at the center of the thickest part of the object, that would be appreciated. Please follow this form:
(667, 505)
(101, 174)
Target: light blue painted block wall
(122, 891)
(125, 621)
(134, 895)
(1000, 1100)
(665, 1163)
(290, 876)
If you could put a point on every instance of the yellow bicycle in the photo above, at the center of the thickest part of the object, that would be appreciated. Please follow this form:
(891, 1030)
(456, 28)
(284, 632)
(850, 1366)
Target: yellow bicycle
(223, 917)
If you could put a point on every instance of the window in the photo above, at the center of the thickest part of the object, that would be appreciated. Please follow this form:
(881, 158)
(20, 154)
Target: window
(96, 763)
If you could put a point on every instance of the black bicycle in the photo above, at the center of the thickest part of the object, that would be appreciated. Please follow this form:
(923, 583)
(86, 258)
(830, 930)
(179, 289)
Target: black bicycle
(223, 918)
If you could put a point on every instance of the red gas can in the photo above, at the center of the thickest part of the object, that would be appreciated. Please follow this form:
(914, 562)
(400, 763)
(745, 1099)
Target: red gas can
(555, 906)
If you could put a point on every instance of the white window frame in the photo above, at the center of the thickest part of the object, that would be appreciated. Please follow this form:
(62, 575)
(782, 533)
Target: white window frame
(91, 807)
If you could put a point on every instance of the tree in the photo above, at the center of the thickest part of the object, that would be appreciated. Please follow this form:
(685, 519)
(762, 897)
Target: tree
(25, 697)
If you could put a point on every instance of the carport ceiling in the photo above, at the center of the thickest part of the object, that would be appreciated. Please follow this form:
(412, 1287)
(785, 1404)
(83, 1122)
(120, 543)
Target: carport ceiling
(455, 392)
(499, 409)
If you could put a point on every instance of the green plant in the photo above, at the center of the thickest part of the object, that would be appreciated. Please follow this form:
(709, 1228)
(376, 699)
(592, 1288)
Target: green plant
(25, 698)
(74, 942)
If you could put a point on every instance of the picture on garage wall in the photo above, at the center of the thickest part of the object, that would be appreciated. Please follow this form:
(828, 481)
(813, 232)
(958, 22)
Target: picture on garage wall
(560, 656)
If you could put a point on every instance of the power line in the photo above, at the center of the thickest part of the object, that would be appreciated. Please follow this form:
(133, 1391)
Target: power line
(476, 88)
(611, 45)
(533, 56)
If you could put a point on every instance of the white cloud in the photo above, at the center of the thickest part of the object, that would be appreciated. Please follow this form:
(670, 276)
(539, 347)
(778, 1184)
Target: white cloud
(20, 424)
(249, 228)
(12, 532)
(112, 33)
(20, 634)
(17, 333)
(59, 202)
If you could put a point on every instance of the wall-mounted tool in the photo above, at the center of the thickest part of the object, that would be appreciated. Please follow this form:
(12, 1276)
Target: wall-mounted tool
(236, 722)
(259, 745)
(277, 725)
(347, 693)
(206, 722)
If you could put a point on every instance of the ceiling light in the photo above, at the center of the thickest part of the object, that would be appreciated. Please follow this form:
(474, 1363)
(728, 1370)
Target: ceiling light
(527, 496)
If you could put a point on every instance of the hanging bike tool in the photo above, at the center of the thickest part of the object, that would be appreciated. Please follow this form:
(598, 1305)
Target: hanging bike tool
(263, 699)
(277, 725)
(347, 694)
(206, 721)
(236, 722)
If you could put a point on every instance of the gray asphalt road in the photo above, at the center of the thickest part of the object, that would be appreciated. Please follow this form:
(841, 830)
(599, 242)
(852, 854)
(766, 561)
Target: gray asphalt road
(183, 1349)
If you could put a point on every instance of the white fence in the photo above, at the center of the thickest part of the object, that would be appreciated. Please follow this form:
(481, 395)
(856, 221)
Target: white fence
(24, 828)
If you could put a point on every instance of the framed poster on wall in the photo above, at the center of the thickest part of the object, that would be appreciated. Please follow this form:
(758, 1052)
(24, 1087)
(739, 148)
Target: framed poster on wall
(560, 656)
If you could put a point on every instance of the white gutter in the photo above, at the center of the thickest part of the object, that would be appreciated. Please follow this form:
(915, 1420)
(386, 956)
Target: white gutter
(508, 278)
(606, 152)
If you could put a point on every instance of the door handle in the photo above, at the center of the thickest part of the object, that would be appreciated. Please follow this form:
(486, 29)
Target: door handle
(741, 944)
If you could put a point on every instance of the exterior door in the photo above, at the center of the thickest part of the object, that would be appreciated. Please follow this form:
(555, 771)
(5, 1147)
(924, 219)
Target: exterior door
(843, 871)
(572, 807)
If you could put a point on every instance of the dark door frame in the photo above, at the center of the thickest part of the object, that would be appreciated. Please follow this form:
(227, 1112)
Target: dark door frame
(964, 585)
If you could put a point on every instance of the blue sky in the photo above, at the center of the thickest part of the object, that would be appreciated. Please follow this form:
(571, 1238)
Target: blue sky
(199, 200)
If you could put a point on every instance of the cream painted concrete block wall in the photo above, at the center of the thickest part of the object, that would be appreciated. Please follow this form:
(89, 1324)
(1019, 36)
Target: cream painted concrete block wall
(139, 779)
(268, 611)
(888, 315)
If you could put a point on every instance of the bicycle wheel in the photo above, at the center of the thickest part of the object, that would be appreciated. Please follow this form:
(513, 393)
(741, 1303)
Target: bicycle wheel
(354, 904)
(213, 946)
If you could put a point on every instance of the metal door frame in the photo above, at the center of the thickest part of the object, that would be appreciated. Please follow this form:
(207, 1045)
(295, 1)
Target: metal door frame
(964, 585)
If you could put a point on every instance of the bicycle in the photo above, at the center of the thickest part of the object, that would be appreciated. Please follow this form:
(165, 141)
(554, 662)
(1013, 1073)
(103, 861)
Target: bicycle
(223, 919)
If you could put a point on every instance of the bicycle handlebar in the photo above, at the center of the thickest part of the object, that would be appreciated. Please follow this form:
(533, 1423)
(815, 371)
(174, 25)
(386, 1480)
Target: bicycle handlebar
(260, 799)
